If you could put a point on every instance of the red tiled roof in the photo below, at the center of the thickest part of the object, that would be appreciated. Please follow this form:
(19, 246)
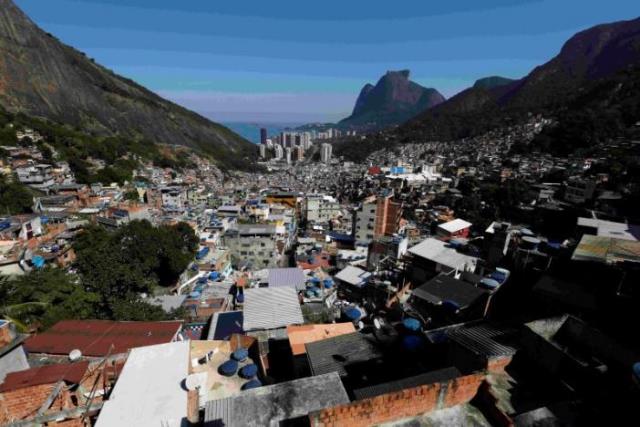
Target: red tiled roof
(94, 337)
(49, 374)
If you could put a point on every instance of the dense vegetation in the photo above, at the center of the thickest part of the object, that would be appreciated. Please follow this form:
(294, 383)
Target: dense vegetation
(113, 270)
(15, 198)
(604, 110)
(121, 155)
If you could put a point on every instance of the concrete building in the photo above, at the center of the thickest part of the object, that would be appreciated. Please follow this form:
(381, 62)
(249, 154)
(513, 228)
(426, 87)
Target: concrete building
(37, 176)
(287, 155)
(377, 217)
(254, 243)
(278, 152)
(174, 197)
(320, 208)
(579, 190)
(12, 354)
(325, 152)
(263, 136)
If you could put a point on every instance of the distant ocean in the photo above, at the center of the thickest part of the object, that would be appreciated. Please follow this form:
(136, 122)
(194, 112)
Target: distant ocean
(251, 130)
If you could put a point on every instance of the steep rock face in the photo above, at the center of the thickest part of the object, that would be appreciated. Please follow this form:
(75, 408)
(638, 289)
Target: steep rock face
(42, 77)
(393, 100)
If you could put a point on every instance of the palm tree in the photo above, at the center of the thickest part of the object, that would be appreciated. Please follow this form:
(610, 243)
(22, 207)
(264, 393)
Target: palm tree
(15, 312)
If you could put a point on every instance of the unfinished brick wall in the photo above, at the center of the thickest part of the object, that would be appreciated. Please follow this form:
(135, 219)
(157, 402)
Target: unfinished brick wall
(497, 365)
(23, 403)
(401, 404)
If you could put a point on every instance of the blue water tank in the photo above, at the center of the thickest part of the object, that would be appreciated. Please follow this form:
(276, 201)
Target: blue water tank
(228, 368)
(489, 284)
(37, 261)
(251, 384)
(249, 371)
(451, 305)
(411, 324)
(412, 342)
(499, 277)
(328, 283)
(214, 275)
(353, 314)
(240, 354)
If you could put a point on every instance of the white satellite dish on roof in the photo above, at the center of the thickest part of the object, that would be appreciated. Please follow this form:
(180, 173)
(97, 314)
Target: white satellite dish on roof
(194, 381)
(75, 355)
(376, 323)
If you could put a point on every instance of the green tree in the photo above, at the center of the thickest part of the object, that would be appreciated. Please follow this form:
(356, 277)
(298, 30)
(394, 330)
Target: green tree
(15, 198)
(134, 259)
(44, 297)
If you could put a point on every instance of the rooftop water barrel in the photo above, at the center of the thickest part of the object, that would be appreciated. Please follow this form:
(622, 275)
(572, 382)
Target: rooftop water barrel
(248, 371)
(490, 284)
(530, 243)
(240, 354)
(353, 313)
(251, 384)
(228, 368)
(411, 324)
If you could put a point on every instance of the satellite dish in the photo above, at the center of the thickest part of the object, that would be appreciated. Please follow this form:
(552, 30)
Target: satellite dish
(75, 355)
(376, 323)
(194, 381)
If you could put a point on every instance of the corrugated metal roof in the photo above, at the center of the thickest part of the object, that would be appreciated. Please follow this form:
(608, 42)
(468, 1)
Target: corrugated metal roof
(443, 288)
(334, 354)
(95, 337)
(485, 339)
(427, 378)
(273, 404)
(438, 252)
(271, 308)
(49, 374)
(353, 275)
(606, 250)
(305, 334)
(292, 277)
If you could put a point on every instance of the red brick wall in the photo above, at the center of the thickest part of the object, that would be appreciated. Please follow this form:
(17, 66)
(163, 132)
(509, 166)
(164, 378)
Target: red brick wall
(497, 365)
(397, 405)
(24, 402)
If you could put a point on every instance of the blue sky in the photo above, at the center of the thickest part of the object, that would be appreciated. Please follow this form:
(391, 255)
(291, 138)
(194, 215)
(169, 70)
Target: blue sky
(301, 60)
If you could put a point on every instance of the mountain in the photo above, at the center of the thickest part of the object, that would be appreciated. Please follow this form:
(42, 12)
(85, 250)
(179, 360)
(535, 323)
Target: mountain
(42, 77)
(492, 82)
(392, 101)
(594, 54)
